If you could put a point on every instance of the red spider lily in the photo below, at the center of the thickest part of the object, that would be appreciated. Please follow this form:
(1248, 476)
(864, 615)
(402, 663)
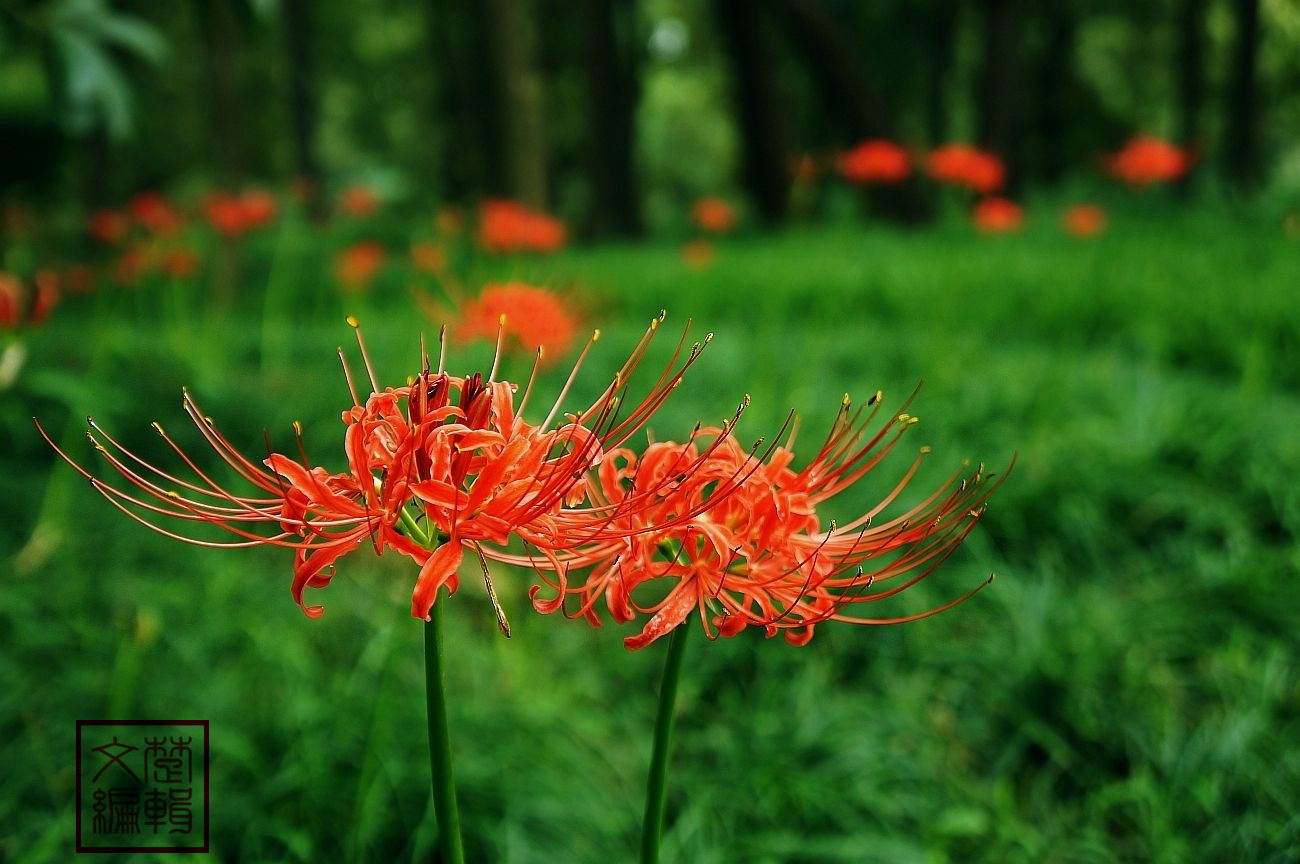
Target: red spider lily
(107, 226)
(356, 266)
(508, 226)
(80, 279)
(713, 215)
(756, 553)
(963, 165)
(444, 460)
(1083, 220)
(237, 215)
(530, 318)
(998, 216)
(449, 221)
(430, 258)
(698, 254)
(180, 263)
(359, 201)
(134, 262)
(875, 162)
(1145, 160)
(154, 212)
(20, 307)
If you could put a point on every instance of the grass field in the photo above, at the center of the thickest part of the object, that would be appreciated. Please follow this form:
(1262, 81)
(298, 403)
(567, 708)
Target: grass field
(1127, 690)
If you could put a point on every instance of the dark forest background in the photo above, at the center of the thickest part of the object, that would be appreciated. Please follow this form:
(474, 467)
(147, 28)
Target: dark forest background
(615, 114)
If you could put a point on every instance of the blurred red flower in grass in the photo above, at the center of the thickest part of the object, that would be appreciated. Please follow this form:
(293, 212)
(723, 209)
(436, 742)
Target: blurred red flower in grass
(508, 226)
(20, 307)
(698, 254)
(429, 257)
(963, 165)
(1145, 160)
(995, 215)
(358, 200)
(107, 226)
(235, 215)
(155, 213)
(527, 317)
(875, 162)
(713, 215)
(356, 266)
(180, 263)
(1083, 220)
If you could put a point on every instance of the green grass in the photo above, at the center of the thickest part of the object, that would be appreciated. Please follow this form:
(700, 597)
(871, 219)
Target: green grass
(1128, 689)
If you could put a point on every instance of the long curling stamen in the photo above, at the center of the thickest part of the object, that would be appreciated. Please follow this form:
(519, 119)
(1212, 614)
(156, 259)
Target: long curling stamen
(365, 355)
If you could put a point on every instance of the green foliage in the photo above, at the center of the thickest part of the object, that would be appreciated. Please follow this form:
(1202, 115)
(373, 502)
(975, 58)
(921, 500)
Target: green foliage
(1127, 690)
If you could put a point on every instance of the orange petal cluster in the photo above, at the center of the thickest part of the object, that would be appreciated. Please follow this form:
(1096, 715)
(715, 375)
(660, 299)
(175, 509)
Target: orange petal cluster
(875, 162)
(737, 540)
(1145, 160)
(435, 467)
(963, 165)
(529, 318)
(1083, 220)
(235, 215)
(508, 226)
(358, 265)
(713, 215)
(995, 215)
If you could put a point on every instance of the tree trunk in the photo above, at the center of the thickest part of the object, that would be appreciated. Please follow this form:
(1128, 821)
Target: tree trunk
(223, 72)
(1242, 132)
(298, 33)
(467, 148)
(941, 33)
(743, 27)
(611, 54)
(1001, 83)
(519, 121)
(1055, 101)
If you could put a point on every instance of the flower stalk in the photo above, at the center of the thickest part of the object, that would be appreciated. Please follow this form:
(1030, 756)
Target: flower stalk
(657, 785)
(450, 845)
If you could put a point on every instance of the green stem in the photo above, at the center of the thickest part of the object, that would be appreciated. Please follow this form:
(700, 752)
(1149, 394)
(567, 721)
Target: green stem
(444, 786)
(656, 786)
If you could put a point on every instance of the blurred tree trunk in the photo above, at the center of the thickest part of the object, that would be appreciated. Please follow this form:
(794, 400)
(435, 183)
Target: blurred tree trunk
(613, 89)
(1055, 86)
(222, 70)
(849, 94)
(1190, 68)
(1241, 147)
(468, 152)
(743, 26)
(519, 122)
(299, 32)
(941, 33)
(1001, 82)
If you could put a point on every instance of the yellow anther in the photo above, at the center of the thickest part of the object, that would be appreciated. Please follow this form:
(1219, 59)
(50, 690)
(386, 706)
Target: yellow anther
(708, 337)
(925, 449)
(903, 418)
(501, 322)
(913, 420)
(876, 398)
(297, 428)
(157, 428)
(846, 400)
(352, 321)
(595, 336)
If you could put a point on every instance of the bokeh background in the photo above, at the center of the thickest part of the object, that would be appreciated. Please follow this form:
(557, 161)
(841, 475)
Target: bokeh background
(196, 194)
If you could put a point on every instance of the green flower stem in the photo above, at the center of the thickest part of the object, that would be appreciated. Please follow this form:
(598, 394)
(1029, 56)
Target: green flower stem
(656, 787)
(450, 846)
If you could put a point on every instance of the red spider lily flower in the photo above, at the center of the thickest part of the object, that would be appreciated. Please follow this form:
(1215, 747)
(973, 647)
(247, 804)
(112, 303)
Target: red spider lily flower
(233, 216)
(356, 266)
(429, 258)
(698, 254)
(529, 317)
(713, 215)
(154, 212)
(963, 165)
(998, 216)
(107, 226)
(875, 162)
(444, 460)
(11, 301)
(756, 553)
(358, 201)
(508, 226)
(1083, 220)
(19, 307)
(134, 262)
(180, 263)
(80, 279)
(1145, 160)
